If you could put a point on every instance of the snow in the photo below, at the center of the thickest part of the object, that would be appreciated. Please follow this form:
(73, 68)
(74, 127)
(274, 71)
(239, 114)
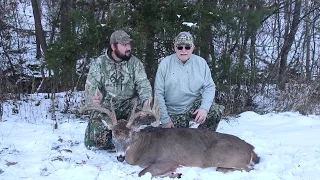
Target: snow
(30, 148)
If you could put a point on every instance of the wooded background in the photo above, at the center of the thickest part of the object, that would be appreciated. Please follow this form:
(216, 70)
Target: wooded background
(259, 51)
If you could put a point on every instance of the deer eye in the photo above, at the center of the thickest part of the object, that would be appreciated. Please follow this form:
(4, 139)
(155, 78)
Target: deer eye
(117, 132)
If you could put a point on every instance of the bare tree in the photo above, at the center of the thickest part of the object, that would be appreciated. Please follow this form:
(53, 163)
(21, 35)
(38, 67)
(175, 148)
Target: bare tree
(39, 35)
(289, 38)
(307, 43)
(38, 26)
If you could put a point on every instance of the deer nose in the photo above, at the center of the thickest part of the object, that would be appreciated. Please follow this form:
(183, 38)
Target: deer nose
(120, 158)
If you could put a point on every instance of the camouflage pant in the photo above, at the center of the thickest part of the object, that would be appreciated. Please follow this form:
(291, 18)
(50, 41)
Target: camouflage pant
(97, 135)
(211, 123)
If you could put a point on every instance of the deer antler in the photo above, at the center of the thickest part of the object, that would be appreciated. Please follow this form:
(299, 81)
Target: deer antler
(133, 115)
(154, 112)
(90, 106)
(111, 113)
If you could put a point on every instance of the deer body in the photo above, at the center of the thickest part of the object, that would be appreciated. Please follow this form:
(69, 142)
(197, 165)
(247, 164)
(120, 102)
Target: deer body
(164, 150)
(161, 151)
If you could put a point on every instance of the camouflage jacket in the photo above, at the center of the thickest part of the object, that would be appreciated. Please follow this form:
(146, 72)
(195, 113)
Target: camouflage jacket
(119, 80)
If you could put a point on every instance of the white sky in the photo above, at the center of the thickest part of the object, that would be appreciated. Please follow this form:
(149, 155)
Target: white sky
(287, 144)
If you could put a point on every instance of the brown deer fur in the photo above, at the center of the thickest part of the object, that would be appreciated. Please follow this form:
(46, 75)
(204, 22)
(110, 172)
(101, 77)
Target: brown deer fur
(161, 151)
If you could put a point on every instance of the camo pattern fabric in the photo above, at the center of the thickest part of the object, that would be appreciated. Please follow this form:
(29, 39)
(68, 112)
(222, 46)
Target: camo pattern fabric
(184, 38)
(120, 37)
(97, 135)
(213, 118)
(119, 81)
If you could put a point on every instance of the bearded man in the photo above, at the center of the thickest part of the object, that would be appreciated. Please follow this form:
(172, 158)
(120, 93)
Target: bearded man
(116, 75)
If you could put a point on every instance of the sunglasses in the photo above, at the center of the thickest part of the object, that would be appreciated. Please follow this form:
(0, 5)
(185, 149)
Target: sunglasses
(181, 47)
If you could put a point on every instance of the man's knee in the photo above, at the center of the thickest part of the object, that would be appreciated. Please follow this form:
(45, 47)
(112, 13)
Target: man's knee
(98, 135)
(180, 120)
(213, 118)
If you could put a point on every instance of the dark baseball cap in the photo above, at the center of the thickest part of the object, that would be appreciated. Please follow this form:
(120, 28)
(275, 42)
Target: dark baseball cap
(120, 37)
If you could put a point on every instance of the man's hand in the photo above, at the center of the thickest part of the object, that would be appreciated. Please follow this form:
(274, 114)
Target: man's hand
(200, 115)
(97, 98)
(168, 125)
(145, 105)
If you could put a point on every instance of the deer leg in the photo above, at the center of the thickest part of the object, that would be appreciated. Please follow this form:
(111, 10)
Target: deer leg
(171, 175)
(225, 170)
(161, 169)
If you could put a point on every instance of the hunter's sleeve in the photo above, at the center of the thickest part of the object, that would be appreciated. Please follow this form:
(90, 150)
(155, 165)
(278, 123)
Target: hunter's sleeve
(160, 92)
(209, 89)
(141, 81)
(93, 80)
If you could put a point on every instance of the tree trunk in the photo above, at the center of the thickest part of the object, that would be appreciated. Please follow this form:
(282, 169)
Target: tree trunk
(288, 41)
(40, 37)
(205, 30)
(308, 43)
(38, 26)
(65, 21)
(1, 95)
(1, 110)
(150, 60)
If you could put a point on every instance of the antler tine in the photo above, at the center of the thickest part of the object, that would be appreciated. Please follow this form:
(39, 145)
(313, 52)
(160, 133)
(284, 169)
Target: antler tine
(114, 117)
(111, 114)
(97, 108)
(133, 115)
(90, 106)
(156, 111)
(146, 109)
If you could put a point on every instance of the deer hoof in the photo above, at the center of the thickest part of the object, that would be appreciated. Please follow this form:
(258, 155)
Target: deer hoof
(120, 158)
(175, 175)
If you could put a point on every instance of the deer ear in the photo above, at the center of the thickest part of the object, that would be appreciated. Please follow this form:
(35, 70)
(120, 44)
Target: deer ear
(143, 122)
(138, 128)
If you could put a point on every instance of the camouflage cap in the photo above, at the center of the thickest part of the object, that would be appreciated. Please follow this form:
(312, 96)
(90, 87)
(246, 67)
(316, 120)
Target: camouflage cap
(120, 37)
(184, 38)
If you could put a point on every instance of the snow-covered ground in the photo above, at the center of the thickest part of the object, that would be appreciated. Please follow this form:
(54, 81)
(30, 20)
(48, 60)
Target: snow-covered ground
(30, 148)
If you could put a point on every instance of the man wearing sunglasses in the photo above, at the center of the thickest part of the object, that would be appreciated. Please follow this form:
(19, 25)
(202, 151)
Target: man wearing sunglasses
(185, 88)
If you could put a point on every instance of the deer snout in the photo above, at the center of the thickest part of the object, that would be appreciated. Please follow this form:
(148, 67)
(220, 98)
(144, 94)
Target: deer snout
(120, 158)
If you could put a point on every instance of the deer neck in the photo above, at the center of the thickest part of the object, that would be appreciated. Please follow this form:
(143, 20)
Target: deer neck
(138, 143)
(137, 140)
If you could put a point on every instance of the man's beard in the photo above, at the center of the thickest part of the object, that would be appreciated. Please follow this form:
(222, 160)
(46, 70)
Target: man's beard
(124, 57)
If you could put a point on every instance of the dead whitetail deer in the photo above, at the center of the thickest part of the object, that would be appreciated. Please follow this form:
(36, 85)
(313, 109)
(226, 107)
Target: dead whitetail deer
(161, 151)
